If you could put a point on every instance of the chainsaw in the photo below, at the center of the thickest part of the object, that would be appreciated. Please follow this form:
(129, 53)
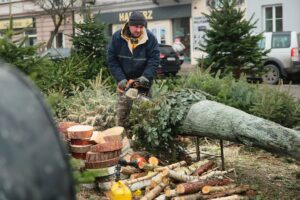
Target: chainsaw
(136, 90)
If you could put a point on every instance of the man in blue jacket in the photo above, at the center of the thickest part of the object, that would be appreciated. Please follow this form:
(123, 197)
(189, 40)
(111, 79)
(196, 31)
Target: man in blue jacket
(132, 54)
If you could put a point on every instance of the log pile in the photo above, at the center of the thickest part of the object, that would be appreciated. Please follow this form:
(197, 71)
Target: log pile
(201, 180)
(99, 151)
(79, 137)
(107, 148)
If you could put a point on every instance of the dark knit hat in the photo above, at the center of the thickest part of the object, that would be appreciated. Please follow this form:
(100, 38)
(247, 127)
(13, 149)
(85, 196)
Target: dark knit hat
(137, 18)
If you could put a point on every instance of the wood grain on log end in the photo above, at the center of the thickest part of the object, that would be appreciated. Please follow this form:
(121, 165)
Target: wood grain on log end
(102, 164)
(80, 132)
(100, 156)
(108, 146)
(80, 148)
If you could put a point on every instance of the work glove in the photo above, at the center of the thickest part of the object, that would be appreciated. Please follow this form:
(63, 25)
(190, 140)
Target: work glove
(142, 80)
(122, 84)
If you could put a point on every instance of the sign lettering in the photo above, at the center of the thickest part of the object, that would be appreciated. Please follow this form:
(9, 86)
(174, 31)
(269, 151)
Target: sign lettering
(124, 16)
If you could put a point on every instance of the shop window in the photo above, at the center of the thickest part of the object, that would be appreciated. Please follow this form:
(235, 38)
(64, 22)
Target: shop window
(59, 40)
(273, 18)
(32, 38)
(181, 30)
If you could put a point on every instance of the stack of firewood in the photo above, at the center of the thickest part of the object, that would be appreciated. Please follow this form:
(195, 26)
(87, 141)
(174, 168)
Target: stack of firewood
(107, 148)
(63, 127)
(99, 149)
(79, 140)
(201, 180)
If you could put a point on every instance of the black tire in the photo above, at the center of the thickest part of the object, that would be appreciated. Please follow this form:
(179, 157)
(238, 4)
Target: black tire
(174, 73)
(272, 74)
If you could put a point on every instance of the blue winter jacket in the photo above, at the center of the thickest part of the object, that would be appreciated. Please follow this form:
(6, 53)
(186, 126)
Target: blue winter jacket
(125, 63)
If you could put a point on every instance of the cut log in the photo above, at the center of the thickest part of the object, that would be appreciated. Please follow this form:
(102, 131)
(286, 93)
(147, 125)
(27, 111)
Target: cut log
(232, 197)
(204, 168)
(100, 156)
(215, 173)
(210, 189)
(153, 161)
(138, 175)
(149, 176)
(102, 164)
(97, 137)
(177, 176)
(187, 178)
(187, 188)
(171, 193)
(156, 180)
(189, 197)
(80, 132)
(80, 148)
(107, 146)
(172, 166)
(147, 166)
(85, 141)
(237, 190)
(154, 192)
(139, 185)
(161, 197)
(190, 169)
(63, 126)
(108, 135)
(126, 150)
(128, 170)
(215, 120)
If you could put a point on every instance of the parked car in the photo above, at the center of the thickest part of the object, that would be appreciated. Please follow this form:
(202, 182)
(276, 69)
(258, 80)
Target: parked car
(169, 61)
(283, 60)
(57, 54)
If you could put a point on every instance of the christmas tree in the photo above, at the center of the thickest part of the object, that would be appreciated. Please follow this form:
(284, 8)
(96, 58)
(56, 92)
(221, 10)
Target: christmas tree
(90, 41)
(230, 43)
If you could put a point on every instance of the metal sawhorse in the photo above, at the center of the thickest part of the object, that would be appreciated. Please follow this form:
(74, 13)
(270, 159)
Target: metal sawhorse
(221, 151)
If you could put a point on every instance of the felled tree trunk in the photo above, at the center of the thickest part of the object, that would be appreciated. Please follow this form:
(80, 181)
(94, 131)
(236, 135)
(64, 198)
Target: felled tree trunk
(211, 119)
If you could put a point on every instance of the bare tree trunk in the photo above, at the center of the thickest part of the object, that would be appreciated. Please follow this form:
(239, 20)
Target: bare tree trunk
(211, 119)
(55, 31)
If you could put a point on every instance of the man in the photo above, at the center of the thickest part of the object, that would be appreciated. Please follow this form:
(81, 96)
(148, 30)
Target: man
(132, 54)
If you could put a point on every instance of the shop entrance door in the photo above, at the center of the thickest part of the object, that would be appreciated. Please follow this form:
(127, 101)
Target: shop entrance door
(160, 34)
(161, 30)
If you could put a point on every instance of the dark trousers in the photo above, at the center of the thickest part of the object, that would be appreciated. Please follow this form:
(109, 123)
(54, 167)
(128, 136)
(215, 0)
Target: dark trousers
(124, 106)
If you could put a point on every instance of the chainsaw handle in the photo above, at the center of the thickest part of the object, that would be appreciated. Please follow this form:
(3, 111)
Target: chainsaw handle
(128, 85)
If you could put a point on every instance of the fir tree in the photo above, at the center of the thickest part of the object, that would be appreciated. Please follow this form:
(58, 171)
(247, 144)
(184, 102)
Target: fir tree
(230, 42)
(90, 41)
(14, 51)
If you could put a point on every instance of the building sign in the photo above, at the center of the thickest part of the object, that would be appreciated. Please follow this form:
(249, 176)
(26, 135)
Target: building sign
(200, 24)
(17, 23)
(124, 16)
(160, 13)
